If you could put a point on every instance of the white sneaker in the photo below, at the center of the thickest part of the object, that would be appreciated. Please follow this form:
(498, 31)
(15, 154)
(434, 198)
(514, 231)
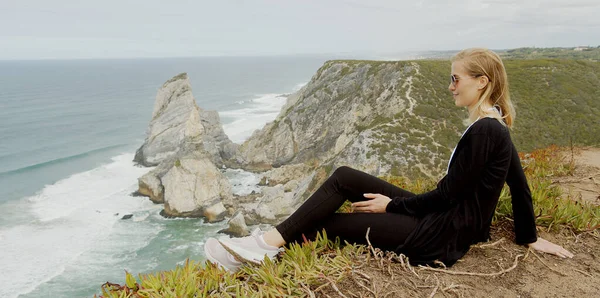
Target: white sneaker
(217, 254)
(251, 247)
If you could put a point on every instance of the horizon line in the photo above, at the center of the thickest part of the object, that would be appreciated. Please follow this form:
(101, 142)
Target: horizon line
(340, 54)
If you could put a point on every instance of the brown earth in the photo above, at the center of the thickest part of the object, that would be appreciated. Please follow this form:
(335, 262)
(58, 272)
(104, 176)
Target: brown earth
(585, 183)
(531, 275)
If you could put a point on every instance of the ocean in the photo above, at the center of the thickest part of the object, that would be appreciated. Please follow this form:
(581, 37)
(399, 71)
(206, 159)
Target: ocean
(68, 133)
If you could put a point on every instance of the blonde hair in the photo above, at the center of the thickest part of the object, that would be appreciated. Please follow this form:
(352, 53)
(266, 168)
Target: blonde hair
(483, 62)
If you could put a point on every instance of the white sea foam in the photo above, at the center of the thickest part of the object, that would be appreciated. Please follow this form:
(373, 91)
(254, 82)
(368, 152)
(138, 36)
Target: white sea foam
(88, 191)
(254, 114)
(242, 182)
(74, 235)
(69, 218)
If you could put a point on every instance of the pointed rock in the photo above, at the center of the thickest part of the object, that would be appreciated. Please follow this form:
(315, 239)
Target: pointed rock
(175, 121)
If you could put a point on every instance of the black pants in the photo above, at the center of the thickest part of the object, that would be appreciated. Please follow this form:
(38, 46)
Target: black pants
(388, 230)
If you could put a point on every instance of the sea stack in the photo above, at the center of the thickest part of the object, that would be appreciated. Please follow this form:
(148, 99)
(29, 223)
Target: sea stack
(175, 121)
(187, 145)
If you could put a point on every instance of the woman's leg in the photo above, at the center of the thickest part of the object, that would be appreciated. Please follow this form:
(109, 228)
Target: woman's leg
(319, 209)
(387, 230)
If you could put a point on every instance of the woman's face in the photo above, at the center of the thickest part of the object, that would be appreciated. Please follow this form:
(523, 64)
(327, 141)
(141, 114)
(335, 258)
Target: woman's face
(465, 88)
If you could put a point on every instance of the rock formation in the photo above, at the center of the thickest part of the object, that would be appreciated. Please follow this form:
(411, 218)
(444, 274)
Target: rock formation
(178, 125)
(187, 145)
(331, 119)
(195, 187)
(237, 226)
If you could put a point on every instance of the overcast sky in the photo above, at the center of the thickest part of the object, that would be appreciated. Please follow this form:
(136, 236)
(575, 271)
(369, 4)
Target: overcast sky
(63, 29)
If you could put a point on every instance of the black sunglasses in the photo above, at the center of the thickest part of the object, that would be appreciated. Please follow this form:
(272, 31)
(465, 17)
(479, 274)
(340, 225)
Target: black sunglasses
(454, 79)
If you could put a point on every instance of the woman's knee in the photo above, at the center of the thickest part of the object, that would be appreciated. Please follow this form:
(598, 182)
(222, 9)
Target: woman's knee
(342, 171)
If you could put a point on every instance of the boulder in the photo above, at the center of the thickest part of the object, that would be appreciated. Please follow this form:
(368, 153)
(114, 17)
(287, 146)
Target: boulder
(286, 173)
(195, 187)
(237, 226)
(215, 212)
(151, 186)
(277, 202)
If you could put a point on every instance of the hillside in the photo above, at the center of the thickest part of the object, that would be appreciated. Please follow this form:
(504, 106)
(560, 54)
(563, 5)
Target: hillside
(577, 53)
(398, 117)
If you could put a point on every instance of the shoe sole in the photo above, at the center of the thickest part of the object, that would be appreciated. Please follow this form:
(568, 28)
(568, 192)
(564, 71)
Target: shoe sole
(244, 255)
(213, 260)
(241, 254)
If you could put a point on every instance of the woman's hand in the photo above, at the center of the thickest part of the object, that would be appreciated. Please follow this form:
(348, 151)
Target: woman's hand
(546, 246)
(375, 203)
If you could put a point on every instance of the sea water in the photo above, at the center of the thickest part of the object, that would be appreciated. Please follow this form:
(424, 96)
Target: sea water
(68, 133)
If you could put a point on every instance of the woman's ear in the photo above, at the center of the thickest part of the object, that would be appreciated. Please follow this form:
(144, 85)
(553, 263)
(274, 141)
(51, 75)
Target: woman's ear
(483, 81)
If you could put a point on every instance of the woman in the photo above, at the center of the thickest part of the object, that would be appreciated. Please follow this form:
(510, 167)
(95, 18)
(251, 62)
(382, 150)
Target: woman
(436, 225)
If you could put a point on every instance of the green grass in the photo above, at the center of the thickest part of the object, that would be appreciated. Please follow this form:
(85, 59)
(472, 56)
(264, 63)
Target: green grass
(553, 208)
(301, 267)
(592, 53)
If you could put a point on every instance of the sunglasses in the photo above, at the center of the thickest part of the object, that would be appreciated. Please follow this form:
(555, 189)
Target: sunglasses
(454, 79)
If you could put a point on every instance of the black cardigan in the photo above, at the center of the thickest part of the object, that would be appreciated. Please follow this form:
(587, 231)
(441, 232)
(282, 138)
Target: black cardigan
(459, 211)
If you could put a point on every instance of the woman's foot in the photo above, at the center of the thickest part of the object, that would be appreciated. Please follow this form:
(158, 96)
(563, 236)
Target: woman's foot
(251, 247)
(217, 254)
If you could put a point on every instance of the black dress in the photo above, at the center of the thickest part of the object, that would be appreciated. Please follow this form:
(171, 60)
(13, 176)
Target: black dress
(459, 211)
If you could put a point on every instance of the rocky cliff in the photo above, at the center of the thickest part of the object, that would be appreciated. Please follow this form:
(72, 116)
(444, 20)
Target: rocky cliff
(398, 118)
(365, 114)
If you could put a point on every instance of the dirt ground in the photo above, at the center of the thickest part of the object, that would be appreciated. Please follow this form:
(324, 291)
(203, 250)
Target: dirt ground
(532, 275)
(499, 268)
(585, 183)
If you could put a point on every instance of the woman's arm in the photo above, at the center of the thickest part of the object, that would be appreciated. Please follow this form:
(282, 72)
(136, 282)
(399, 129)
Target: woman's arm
(525, 232)
(521, 201)
(462, 176)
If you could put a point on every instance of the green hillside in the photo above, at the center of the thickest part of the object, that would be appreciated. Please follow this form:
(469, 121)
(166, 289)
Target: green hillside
(556, 101)
(581, 53)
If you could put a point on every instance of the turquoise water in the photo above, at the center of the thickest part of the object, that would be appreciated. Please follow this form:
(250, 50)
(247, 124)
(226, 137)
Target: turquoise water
(68, 131)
